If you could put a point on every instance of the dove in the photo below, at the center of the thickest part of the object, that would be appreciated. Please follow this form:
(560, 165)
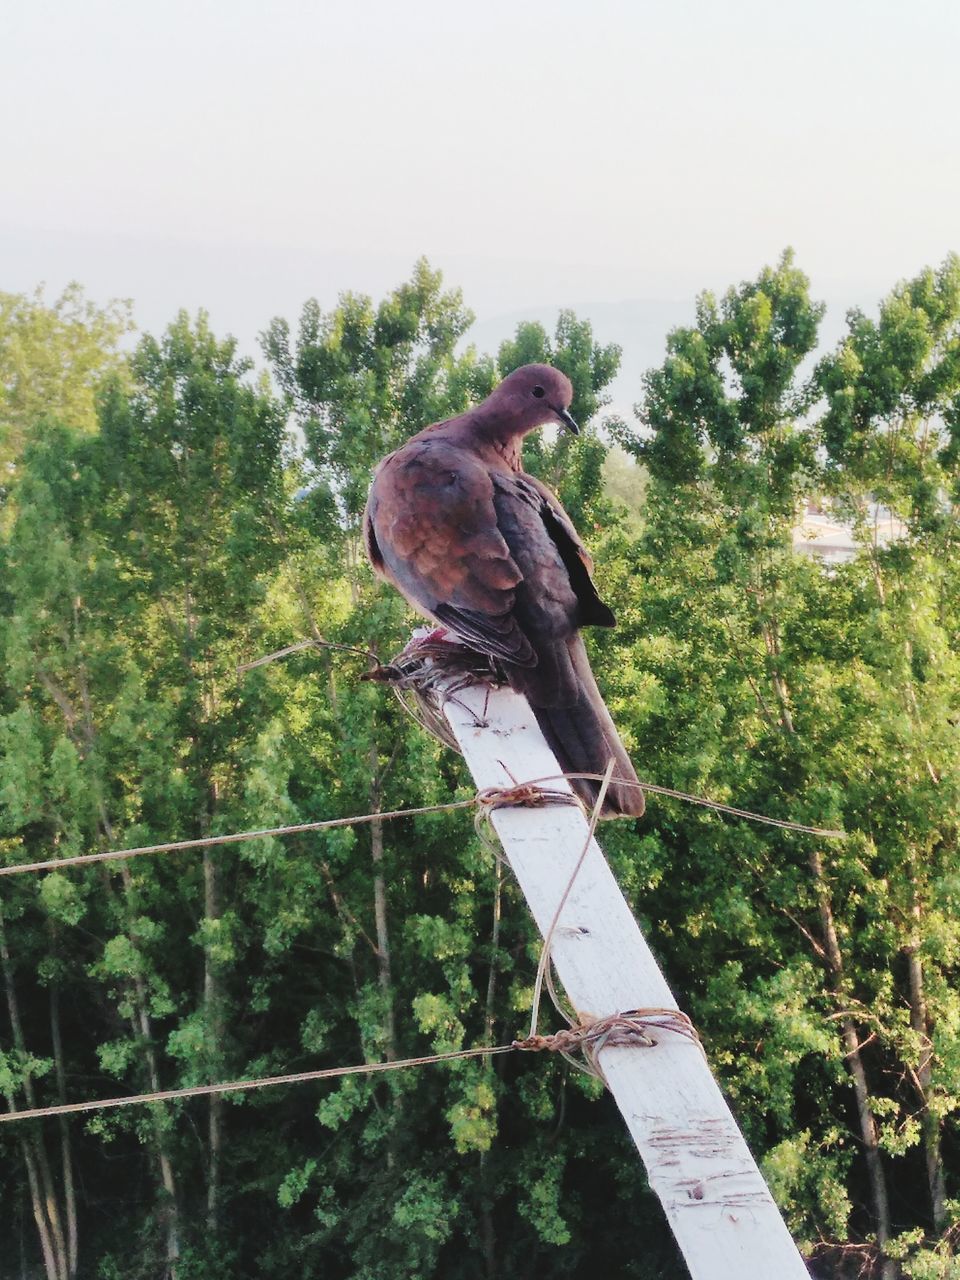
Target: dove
(486, 551)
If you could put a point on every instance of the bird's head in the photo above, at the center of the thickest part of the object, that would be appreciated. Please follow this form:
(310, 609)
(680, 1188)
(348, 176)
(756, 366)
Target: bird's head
(533, 395)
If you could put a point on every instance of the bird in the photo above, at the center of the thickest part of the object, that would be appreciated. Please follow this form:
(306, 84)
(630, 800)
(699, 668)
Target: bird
(485, 550)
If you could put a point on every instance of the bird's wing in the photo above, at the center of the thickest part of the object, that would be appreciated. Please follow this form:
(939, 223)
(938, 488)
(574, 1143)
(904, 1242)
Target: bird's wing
(576, 558)
(490, 554)
(549, 606)
(431, 529)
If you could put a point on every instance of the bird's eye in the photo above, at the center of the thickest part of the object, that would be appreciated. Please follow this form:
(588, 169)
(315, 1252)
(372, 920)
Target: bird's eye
(539, 392)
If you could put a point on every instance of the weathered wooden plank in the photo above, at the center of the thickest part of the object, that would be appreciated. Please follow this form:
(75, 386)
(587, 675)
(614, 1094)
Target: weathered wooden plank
(697, 1162)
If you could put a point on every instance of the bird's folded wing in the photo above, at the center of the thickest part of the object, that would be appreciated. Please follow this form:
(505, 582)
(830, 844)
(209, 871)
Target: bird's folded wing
(541, 522)
(431, 529)
(498, 635)
(552, 509)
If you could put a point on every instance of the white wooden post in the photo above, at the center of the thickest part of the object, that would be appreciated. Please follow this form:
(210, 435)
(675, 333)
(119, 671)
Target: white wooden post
(721, 1212)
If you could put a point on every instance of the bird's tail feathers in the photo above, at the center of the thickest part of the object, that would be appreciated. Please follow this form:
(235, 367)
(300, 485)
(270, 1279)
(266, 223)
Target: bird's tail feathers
(583, 737)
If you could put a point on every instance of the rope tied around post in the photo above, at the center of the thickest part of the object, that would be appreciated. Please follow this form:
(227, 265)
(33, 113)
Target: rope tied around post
(522, 795)
(631, 1029)
(619, 1030)
(430, 671)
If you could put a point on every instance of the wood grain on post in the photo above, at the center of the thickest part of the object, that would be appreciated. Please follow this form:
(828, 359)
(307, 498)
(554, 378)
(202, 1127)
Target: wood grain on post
(721, 1212)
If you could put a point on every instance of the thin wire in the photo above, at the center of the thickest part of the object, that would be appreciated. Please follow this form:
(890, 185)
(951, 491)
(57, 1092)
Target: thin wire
(617, 1029)
(237, 1086)
(279, 653)
(783, 823)
(548, 936)
(82, 859)
(424, 648)
(299, 647)
(326, 825)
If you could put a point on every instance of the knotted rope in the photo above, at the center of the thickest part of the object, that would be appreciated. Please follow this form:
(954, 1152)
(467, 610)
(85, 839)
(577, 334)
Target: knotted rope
(618, 1030)
(631, 1029)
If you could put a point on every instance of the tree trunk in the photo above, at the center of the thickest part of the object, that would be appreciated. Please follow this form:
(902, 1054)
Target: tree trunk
(46, 1209)
(921, 1024)
(919, 1021)
(66, 1151)
(384, 969)
(869, 1132)
(384, 973)
(771, 640)
(140, 1019)
(143, 1031)
(488, 1236)
(214, 1030)
(494, 947)
(39, 1212)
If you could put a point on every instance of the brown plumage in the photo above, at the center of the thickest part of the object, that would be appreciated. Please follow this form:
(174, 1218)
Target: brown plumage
(487, 551)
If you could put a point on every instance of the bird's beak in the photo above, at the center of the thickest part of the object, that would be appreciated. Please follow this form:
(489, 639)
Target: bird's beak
(568, 422)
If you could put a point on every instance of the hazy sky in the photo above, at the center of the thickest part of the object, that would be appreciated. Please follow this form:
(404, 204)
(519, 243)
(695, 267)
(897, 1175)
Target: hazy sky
(244, 155)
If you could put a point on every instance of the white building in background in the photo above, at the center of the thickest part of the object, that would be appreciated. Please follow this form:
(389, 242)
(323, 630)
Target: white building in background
(819, 533)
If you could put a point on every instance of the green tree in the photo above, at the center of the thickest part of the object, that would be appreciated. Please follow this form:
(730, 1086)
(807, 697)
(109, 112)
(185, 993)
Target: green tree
(53, 358)
(147, 562)
(889, 432)
(138, 561)
(195, 497)
(822, 695)
(440, 948)
(149, 557)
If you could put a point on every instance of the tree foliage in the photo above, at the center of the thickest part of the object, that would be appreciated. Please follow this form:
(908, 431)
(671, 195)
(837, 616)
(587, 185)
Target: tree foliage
(53, 358)
(825, 969)
(207, 517)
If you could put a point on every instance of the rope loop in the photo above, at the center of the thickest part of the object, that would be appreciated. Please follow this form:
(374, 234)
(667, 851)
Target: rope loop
(633, 1029)
(523, 795)
(630, 1029)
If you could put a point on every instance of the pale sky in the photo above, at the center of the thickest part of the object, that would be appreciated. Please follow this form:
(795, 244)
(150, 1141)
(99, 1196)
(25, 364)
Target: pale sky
(243, 156)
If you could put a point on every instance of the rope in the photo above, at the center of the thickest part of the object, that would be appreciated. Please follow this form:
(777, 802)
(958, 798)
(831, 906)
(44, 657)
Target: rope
(548, 936)
(171, 847)
(618, 1030)
(237, 1086)
(784, 824)
(631, 1029)
(299, 647)
(523, 795)
(279, 653)
(526, 794)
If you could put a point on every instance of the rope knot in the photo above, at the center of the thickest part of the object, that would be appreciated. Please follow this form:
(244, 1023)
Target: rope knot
(631, 1029)
(522, 795)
